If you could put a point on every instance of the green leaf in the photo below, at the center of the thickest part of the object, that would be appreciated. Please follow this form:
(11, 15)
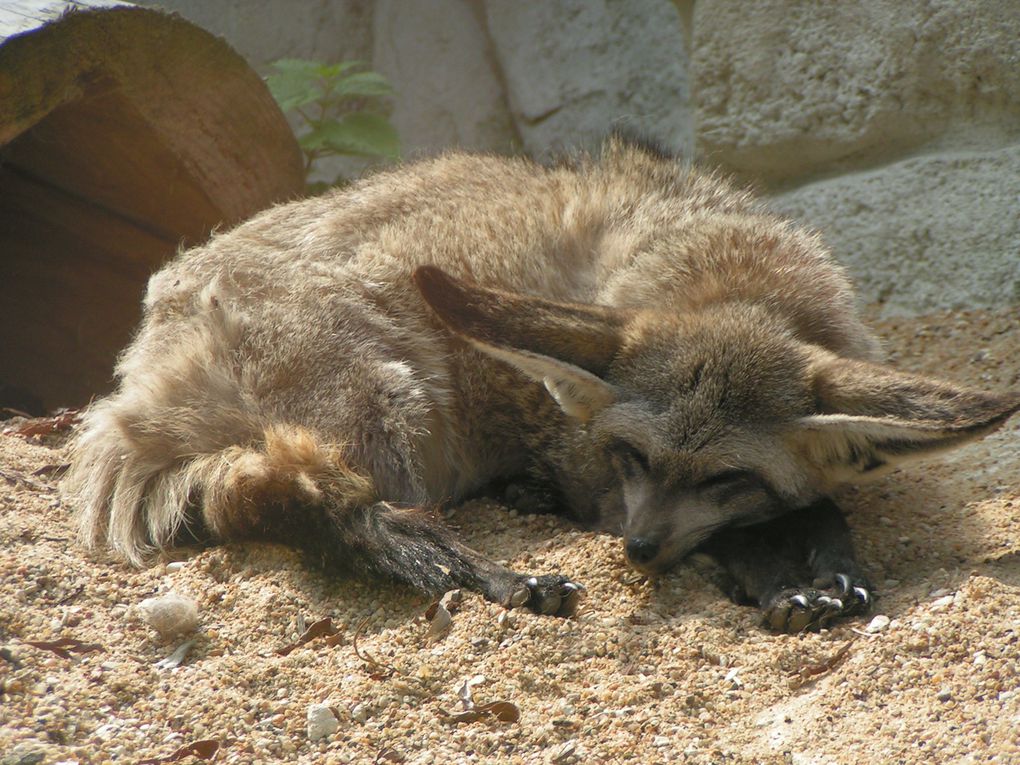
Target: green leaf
(362, 84)
(292, 87)
(359, 134)
(332, 71)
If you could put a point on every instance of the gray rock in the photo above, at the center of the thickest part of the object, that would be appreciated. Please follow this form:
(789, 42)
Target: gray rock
(449, 93)
(574, 69)
(787, 89)
(925, 234)
(266, 30)
(321, 721)
(170, 614)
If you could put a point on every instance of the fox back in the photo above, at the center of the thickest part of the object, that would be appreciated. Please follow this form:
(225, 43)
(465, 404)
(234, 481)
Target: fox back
(639, 340)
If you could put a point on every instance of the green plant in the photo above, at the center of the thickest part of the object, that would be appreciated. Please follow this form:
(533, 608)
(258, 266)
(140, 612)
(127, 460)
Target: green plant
(342, 110)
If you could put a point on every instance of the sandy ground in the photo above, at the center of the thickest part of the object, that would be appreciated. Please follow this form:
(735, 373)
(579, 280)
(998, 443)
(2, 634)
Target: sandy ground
(647, 673)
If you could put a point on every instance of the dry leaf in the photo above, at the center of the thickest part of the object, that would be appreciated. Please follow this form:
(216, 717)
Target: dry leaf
(440, 622)
(64, 419)
(175, 659)
(55, 470)
(811, 672)
(321, 628)
(503, 711)
(204, 750)
(65, 646)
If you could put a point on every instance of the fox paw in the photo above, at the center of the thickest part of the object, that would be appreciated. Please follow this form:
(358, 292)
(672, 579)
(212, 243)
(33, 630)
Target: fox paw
(530, 499)
(797, 609)
(854, 591)
(552, 595)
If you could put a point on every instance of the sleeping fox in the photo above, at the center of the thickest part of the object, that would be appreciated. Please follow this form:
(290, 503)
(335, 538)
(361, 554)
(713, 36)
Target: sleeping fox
(620, 338)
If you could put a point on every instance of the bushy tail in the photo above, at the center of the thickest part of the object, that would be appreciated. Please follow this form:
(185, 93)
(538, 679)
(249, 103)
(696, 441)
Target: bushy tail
(185, 439)
(137, 495)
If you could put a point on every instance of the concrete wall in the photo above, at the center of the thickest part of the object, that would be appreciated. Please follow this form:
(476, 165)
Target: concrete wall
(893, 125)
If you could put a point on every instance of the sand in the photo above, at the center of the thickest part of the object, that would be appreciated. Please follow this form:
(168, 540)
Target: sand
(649, 672)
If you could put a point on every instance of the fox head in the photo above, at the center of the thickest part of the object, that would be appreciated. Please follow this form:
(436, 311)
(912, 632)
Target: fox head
(710, 419)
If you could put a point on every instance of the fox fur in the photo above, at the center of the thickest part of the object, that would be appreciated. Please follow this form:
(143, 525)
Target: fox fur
(623, 338)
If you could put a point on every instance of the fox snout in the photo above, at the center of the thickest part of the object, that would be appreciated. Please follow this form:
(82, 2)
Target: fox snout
(641, 551)
(652, 553)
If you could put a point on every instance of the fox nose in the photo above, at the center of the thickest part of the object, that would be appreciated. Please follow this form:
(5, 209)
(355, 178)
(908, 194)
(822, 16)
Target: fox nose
(641, 551)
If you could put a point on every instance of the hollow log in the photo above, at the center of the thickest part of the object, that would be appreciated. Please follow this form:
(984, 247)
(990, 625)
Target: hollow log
(125, 133)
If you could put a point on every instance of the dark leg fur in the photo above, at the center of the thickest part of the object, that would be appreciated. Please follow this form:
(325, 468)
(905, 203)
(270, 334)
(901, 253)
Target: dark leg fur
(800, 569)
(410, 546)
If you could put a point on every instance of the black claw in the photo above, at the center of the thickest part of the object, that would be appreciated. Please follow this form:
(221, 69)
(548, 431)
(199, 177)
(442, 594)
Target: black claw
(844, 583)
(548, 595)
(572, 598)
(796, 609)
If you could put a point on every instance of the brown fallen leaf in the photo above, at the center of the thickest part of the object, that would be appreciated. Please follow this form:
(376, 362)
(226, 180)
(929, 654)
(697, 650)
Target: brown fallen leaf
(811, 672)
(203, 749)
(55, 470)
(65, 646)
(440, 615)
(16, 478)
(322, 628)
(62, 420)
(503, 711)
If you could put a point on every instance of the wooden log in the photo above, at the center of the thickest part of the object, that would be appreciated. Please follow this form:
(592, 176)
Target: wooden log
(125, 132)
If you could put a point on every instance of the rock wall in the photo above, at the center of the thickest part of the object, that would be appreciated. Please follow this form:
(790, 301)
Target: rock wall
(893, 126)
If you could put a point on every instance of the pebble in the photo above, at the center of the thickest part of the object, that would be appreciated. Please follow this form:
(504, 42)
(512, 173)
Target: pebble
(23, 754)
(563, 752)
(879, 623)
(944, 695)
(170, 615)
(944, 602)
(321, 721)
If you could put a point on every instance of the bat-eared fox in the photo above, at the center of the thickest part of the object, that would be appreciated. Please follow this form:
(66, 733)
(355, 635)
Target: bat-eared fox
(620, 338)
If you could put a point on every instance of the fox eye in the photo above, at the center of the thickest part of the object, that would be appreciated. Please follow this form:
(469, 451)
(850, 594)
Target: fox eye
(725, 478)
(627, 458)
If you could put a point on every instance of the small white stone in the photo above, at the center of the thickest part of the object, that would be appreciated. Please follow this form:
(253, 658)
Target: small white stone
(564, 751)
(944, 695)
(944, 602)
(173, 566)
(170, 615)
(359, 713)
(660, 741)
(321, 721)
(879, 623)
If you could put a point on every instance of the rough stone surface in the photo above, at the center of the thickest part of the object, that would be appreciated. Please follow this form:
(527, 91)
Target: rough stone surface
(448, 88)
(926, 233)
(786, 90)
(574, 69)
(266, 30)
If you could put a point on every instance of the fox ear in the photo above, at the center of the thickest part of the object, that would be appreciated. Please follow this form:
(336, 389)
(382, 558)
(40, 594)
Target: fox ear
(566, 346)
(870, 418)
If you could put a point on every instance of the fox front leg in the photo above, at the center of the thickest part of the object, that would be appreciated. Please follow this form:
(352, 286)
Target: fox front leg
(410, 546)
(799, 569)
